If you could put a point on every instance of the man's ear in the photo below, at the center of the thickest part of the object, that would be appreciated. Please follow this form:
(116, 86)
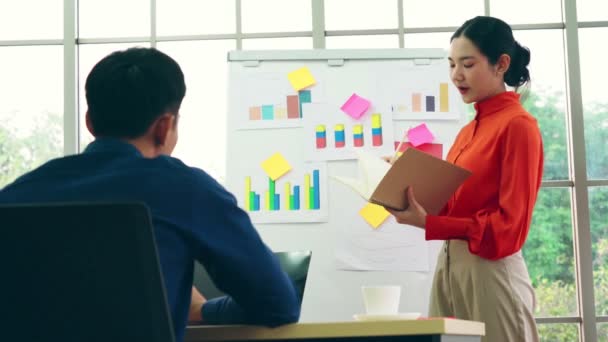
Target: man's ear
(161, 128)
(87, 119)
(503, 63)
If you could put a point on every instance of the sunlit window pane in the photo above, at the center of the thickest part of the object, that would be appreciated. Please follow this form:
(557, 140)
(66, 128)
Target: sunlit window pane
(31, 110)
(547, 98)
(277, 43)
(598, 211)
(437, 13)
(595, 102)
(592, 10)
(383, 41)
(439, 40)
(548, 252)
(361, 14)
(89, 55)
(31, 19)
(202, 123)
(526, 11)
(602, 332)
(558, 332)
(276, 15)
(114, 18)
(188, 17)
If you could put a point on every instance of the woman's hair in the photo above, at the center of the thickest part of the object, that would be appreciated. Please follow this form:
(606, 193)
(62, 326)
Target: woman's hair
(493, 37)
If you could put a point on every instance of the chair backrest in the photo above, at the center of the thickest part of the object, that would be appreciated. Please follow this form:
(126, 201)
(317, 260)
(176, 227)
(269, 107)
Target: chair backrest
(295, 264)
(81, 272)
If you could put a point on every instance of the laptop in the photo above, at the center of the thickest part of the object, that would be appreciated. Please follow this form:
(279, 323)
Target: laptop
(295, 264)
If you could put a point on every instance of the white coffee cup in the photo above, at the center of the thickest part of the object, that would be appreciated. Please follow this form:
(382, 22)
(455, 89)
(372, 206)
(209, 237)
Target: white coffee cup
(381, 300)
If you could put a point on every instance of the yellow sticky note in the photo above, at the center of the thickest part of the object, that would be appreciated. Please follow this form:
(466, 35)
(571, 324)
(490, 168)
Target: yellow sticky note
(374, 214)
(276, 166)
(301, 78)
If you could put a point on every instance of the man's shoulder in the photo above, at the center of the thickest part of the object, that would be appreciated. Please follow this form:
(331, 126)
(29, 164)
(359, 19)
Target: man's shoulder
(188, 175)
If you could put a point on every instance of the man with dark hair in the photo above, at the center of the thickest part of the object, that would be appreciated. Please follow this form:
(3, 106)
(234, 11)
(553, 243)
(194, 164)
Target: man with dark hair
(133, 99)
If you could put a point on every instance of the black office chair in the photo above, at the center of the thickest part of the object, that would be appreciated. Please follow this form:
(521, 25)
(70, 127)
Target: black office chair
(80, 272)
(295, 264)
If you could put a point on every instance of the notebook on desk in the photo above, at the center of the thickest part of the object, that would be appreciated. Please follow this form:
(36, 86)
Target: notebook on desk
(434, 180)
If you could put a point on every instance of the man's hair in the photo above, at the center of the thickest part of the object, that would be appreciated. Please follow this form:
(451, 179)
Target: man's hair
(127, 90)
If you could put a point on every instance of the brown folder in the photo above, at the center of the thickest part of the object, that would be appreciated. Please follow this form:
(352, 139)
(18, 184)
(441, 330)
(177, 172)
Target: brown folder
(434, 181)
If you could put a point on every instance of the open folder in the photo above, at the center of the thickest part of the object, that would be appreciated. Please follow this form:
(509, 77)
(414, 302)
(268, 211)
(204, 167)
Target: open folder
(434, 180)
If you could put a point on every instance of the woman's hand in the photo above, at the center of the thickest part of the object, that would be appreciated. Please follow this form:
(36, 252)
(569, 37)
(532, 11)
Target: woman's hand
(414, 215)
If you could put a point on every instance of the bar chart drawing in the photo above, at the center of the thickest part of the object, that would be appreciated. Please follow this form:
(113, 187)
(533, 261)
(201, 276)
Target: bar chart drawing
(332, 135)
(292, 109)
(269, 101)
(431, 97)
(298, 196)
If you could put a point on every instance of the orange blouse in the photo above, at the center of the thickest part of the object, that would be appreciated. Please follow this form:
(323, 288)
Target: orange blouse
(492, 210)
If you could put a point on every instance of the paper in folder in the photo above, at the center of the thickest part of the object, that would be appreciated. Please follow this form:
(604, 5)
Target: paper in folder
(434, 180)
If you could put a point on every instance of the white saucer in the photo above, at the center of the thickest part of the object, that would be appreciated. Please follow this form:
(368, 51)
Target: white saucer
(395, 317)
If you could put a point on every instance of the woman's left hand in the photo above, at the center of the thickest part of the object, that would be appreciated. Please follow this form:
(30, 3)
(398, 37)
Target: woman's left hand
(414, 215)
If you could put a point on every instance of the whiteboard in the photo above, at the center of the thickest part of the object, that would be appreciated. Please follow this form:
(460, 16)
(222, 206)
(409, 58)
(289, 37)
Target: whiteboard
(258, 79)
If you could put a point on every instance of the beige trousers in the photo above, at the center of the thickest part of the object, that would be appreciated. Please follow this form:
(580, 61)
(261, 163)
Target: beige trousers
(498, 293)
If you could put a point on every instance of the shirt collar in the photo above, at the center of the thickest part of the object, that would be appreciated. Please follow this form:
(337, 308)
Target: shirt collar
(112, 145)
(495, 104)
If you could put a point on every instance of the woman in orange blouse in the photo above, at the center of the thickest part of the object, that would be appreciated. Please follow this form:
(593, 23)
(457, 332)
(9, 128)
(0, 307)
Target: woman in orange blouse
(480, 273)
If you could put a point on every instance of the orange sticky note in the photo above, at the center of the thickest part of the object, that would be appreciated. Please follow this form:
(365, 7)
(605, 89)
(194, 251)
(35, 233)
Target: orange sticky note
(301, 78)
(276, 166)
(374, 214)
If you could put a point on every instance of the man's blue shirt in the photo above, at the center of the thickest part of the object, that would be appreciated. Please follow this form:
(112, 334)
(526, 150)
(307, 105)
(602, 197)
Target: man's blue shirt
(194, 218)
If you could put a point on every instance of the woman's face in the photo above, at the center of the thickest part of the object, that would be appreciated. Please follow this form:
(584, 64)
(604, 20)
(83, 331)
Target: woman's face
(472, 73)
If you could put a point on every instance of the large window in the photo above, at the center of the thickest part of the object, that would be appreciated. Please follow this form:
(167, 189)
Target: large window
(31, 110)
(198, 33)
(19, 21)
(202, 127)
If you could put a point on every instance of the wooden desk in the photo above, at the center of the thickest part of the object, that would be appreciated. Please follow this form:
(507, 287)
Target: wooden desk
(434, 330)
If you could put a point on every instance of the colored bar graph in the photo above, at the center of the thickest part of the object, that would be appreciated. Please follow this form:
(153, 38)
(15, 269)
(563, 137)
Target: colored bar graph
(307, 191)
(296, 197)
(321, 136)
(252, 201)
(416, 102)
(255, 113)
(248, 201)
(293, 107)
(280, 113)
(256, 204)
(443, 98)
(311, 198)
(358, 135)
(288, 197)
(267, 200)
(317, 191)
(290, 200)
(304, 97)
(430, 103)
(272, 192)
(267, 112)
(376, 130)
(339, 137)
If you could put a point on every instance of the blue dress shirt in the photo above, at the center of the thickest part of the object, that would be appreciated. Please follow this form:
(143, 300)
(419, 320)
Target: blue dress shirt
(194, 218)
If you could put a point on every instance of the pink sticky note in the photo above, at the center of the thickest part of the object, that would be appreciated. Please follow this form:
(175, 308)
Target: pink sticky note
(419, 135)
(436, 150)
(355, 106)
